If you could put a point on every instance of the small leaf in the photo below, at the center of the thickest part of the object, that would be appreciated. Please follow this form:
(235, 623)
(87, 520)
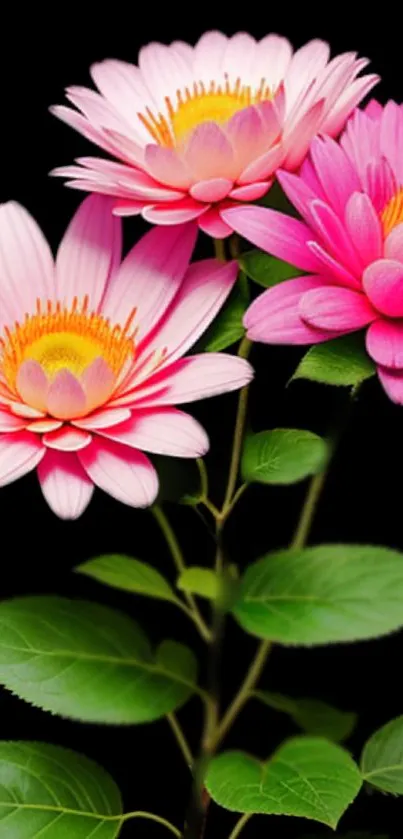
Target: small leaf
(307, 777)
(267, 270)
(179, 479)
(53, 792)
(87, 662)
(320, 595)
(127, 574)
(227, 328)
(382, 758)
(342, 361)
(201, 581)
(312, 715)
(282, 456)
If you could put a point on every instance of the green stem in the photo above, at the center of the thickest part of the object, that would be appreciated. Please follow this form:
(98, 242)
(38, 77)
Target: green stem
(308, 510)
(203, 477)
(152, 817)
(244, 691)
(240, 825)
(243, 352)
(180, 739)
(234, 246)
(180, 564)
(219, 247)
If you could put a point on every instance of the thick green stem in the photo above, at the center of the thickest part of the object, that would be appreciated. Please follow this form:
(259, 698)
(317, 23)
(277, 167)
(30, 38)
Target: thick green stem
(219, 247)
(243, 352)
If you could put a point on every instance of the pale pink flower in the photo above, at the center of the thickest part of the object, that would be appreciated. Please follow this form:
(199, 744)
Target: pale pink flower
(350, 196)
(91, 354)
(201, 128)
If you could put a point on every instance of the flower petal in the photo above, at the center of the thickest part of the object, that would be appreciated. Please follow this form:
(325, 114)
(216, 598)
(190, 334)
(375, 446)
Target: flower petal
(212, 190)
(250, 192)
(167, 166)
(212, 224)
(104, 418)
(97, 382)
(275, 233)
(26, 264)
(364, 227)
(335, 237)
(89, 251)
(273, 318)
(161, 431)
(336, 309)
(392, 382)
(393, 247)
(67, 439)
(122, 472)
(182, 211)
(32, 384)
(383, 282)
(9, 422)
(150, 276)
(209, 153)
(385, 343)
(65, 486)
(65, 398)
(335, 171)
(19, 453)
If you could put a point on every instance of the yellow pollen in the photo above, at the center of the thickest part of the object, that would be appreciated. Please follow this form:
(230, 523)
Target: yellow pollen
(392, 214)
(61, 338)
(201, 103)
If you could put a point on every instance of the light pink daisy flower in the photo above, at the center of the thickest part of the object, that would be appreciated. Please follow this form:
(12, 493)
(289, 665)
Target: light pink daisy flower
(91, 354)
(198, 129)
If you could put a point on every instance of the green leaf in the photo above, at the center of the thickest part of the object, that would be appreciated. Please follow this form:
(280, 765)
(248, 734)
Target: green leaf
(312, 715)
(227, 328)
(282, 456)
(201, 581)
(306, 777)
(179, 479)
(86, 661)
(382, 758)
(46, 791)
(342, 361)
(267, 270)
(127, 574)
(320, 595)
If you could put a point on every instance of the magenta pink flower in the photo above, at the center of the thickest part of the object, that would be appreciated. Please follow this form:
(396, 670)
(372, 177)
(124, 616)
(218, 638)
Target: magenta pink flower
(350, 196)
(200, 128)
(91, 354)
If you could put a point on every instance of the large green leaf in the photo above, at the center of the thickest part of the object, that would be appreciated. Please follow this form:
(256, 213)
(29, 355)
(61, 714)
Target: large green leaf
(53, 793)
(312, 715)
(127, 574)
(306, 777)
(382, 758)
(342, 361)
(227, 328)
(324, 594)
(267, 270)
(282, 456)
(86, 661)
(201, 581)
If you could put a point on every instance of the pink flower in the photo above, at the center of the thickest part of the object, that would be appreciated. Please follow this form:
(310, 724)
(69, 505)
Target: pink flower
(198, 129)
(91, 354)
(350, 196)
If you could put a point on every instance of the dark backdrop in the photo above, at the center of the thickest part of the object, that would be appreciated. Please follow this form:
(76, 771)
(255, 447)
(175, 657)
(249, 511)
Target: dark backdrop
(41, 54)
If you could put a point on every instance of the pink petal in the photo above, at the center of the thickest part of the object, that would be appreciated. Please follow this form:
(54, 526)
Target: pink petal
(122, 208)
(9, 422)
(65, 398)
(263, 167)
(183, 211)
(335, 237)
(273, 317)
(209, 55)
(21, 410)
(299, 192)
(19, 453)
(298, 140)
(335, 172)
(213, 190)
(336, 309)
(383, 282)
(67, 439)
(393, 246)
(204, 290)
(385, 343)
(164, 71)
(122, 472)
(209, 154)
(274, 232)
(373, 109)
(65, 486)
(346, 103)
(391, 137)
(250, 192)
(122, 85)
(150, 276)
(331, 268)
(249, 135)
(41, 426)
(162, 431)
(26, 264)
(364, 227)
(191, 378)
(212, 224)
(32, 385)
(305, 65)
(392, 382)
(80, 123)
(273, 58)
(241, 47)
(88, 252)
(103, 419)
(167, 166)
(97, 382)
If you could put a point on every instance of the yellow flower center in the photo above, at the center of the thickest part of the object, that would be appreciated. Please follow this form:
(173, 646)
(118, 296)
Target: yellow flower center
(59, 338)
(216, 103)
(392, 214)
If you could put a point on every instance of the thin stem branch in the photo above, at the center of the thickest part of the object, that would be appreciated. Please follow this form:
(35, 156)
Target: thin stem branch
(203, 477)
(234, 246)
(244, 691)
(243, 352)
(240, 825)
(180, 739)
(151, 817)
(219, 247)
(180, 564)
(308, 510)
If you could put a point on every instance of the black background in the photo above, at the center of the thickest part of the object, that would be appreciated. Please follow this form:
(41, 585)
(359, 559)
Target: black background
(40, 54)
